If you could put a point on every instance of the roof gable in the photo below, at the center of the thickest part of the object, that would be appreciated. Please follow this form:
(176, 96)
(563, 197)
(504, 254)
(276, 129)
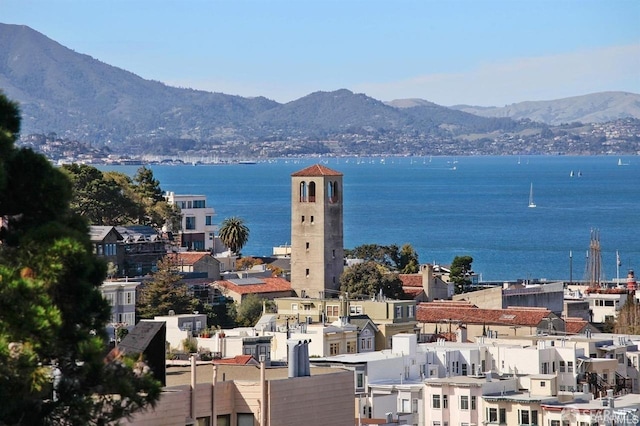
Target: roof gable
(257, 285)
(317, 170)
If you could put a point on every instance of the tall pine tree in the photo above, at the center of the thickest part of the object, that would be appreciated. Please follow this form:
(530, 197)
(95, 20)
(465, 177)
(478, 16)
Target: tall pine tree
(52, 315)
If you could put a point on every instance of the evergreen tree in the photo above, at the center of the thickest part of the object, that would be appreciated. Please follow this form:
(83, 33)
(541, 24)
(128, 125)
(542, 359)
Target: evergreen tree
(164, 293)
(628, 320)
(52, 315)
(368, 278)
(250, 310)
(460, 270)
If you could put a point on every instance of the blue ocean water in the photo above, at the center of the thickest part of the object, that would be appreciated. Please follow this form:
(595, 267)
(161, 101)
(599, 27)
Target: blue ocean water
(446, 207)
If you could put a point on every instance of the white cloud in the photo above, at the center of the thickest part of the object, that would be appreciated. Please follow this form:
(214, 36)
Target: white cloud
(523, 79)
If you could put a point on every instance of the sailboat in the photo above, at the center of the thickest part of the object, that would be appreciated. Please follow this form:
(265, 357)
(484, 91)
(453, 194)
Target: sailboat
(531, 203)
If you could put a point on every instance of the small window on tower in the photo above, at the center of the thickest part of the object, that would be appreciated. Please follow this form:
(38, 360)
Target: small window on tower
(311, 219)
(307, 245)
(307, 272)
(302, 218)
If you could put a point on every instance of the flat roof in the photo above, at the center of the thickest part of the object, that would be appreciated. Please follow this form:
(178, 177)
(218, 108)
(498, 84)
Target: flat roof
(181, 375)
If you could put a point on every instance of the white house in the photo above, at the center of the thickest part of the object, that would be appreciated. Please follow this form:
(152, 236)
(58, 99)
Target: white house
(197, 231)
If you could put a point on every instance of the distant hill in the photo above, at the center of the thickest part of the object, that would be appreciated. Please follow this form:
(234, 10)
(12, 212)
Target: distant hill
(80, 98)
(593, 108)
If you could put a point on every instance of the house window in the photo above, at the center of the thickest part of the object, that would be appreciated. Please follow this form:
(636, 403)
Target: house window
(523, 417)
(366, 343)
(355, 309)
(464, 402)
(473, 402)
(534, 417)
(414, 405)
(561, 365)
(333, 310)
(492, 415)
(245, 419)
(445, 401)
(464, 369)
(223, 420)
(569, 366)
(410, 311)
(198, 204)
(207, 220)
(190, 222)
(334, 348)
(359, 380)
(398, 311)
(294, 306)
(203, 421)
(502, 415)
(351, 347)
(110, 298)
(404, 406)
(435, 401)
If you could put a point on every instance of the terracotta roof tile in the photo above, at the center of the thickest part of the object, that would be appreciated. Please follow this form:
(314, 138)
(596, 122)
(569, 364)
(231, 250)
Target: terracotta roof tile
(188, 258)
(436, 312)
(574, 325)
(236, 360)
(266, 285)
(411, 280)
(317, 170)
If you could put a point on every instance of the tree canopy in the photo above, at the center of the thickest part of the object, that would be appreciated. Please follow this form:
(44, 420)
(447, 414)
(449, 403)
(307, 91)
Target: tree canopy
(164, 293)
(250, 310)
(52, 314)
(460, 273)
(234, 233)
(368, 279)
(403, 260)
(113, 198)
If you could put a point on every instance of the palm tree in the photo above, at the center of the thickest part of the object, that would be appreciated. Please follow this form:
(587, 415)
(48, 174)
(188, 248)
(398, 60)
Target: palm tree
(234, 233)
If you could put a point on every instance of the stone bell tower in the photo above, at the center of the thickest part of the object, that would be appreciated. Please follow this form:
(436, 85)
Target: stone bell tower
(317, 246)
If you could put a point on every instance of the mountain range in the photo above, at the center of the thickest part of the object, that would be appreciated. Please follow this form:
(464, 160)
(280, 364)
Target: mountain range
(81, 98)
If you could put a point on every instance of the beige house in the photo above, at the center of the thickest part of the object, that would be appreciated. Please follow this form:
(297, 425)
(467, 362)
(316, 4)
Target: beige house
(196, 262)
(247, 395)
(389, 316)
(265, 287)
(427, 285)
(442, 315)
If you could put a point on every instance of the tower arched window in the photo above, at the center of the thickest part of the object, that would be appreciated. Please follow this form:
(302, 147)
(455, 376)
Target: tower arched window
(312, 192)
(332, 192)
(303, 192)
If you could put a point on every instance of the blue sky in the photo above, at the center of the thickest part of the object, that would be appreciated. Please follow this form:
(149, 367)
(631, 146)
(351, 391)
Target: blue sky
(476, 52)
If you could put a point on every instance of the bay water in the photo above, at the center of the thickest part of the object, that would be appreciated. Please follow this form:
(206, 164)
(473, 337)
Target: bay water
(446, 207)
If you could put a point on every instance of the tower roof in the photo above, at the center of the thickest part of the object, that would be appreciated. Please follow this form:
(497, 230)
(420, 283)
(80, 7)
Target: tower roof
(317, 170)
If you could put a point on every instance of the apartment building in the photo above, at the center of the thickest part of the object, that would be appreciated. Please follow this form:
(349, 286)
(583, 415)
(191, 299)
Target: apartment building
(197, 231)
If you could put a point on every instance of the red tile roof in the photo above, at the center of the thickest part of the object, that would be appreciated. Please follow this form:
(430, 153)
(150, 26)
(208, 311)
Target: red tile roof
(267, 285)
(573, 325)
(188, 258)
(411, 280)
(237, 360)
(317, 170)
(466, 313)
